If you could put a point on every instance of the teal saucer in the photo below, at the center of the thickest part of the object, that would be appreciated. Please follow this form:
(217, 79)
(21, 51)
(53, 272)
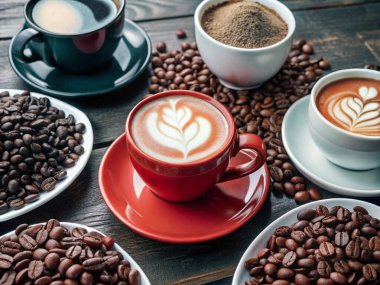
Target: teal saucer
(129, 61)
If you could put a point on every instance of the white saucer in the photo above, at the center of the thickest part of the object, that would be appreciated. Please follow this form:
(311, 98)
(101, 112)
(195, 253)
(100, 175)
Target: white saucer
(313, 165)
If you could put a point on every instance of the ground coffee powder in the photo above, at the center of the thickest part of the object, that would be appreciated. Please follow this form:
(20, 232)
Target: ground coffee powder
(244, 24)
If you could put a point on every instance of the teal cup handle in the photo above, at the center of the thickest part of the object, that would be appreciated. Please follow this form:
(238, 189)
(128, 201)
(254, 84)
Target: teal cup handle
(38, 50)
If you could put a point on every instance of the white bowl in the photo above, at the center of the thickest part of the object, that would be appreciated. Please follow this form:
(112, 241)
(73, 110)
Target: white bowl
(143, 278)
(343, 148)
(241, 274)
(72, 172)
(243, 68)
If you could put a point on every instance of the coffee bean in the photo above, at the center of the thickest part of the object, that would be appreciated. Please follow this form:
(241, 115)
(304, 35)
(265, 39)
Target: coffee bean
(302, 197)
(94, 264)
(52, 261)
(181, 34)
(27, 242)
(161, 47)
(341, 239)
(314, 193)
(289, 259)
(35, 269)
(338, 278)
(369, 273)
(5, 261)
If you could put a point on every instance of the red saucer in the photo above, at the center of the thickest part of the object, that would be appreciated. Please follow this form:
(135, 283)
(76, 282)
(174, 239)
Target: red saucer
(222, 210)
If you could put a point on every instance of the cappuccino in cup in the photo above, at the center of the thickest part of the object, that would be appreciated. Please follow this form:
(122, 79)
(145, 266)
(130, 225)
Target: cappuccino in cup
(179, 129)
(352, 104)
(72, 16)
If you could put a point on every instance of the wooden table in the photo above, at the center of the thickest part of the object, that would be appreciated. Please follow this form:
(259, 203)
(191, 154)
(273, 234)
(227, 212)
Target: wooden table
(346, 32)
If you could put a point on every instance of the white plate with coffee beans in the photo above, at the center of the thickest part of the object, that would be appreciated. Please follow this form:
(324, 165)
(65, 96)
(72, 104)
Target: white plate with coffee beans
(43, 150)
(269, 236)
(81, 244)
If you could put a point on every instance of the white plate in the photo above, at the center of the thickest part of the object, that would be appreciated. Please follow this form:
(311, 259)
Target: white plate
(72, 172)
(144, 279)
(241, 274)
(310, 161)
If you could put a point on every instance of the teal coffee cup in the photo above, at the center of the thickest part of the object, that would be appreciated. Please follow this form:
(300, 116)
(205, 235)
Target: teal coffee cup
(78, 36)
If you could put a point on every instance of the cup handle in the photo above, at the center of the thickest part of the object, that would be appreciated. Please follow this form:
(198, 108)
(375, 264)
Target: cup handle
(252, 142)
(38, 49)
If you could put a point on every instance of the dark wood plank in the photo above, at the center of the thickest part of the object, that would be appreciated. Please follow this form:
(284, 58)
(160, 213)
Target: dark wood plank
(11, 12)
(340, 40)
(163, 263)
(11, 16)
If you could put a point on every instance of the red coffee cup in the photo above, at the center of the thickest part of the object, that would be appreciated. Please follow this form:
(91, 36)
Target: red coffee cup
(181, 182)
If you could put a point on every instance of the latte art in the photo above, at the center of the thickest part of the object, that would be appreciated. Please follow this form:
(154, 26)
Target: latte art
(357, 111)
(179, 129)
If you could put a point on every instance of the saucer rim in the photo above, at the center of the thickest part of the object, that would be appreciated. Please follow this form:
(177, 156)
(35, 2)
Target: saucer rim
(320, 181)
(178, 240)
(58, 93)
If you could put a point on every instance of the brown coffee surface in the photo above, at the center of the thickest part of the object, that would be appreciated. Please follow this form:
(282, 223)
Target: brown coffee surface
(352, 104)
(179, 129)
(244, 24)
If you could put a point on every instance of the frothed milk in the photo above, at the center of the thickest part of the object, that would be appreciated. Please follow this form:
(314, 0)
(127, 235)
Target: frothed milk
(179, 129)
(73, 16)
(352, 104)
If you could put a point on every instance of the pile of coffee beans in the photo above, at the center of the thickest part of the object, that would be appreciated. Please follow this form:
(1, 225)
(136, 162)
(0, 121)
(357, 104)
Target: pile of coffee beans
(51, 254)
(258, 111)
(37, 142)
(325, 247)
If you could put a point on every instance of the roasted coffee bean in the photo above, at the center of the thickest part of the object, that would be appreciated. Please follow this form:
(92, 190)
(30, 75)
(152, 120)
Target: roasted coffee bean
(341, 239)
(5, 261)
(329, 255)
(30, 147)
(52, 261)
(27, 242)
(35, 269)
(48, 263)
(181, 34)
(369, 273)
(289, 259)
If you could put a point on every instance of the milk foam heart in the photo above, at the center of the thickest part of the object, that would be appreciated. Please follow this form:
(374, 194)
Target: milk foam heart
(354, 109)
(179, 129)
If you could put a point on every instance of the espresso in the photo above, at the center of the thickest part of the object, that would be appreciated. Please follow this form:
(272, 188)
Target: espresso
(73, 17)
(352, 104)
(179, 129)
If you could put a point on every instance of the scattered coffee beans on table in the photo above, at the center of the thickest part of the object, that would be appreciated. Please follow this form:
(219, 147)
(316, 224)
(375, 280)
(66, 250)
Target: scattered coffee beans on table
(51, 254)
(325, 247)
(37, 142)
(259, 111)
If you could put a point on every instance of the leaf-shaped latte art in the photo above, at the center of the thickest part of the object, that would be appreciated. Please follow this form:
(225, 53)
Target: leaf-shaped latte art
(358, 113)
(178, 128)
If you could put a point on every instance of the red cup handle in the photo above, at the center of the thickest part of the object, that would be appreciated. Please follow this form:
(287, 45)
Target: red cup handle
(251, 142)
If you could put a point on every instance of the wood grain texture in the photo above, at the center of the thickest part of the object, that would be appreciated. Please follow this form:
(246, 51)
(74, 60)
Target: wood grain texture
(163, 263)
(11, 16)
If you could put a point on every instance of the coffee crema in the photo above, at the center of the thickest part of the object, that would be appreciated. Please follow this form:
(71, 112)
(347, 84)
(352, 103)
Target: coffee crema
(352, 104)
(73, 16)
(179, 129)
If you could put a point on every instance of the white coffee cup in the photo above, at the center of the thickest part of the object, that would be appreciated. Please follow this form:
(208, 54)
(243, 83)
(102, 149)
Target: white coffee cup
(243, 68)
(343, 148)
